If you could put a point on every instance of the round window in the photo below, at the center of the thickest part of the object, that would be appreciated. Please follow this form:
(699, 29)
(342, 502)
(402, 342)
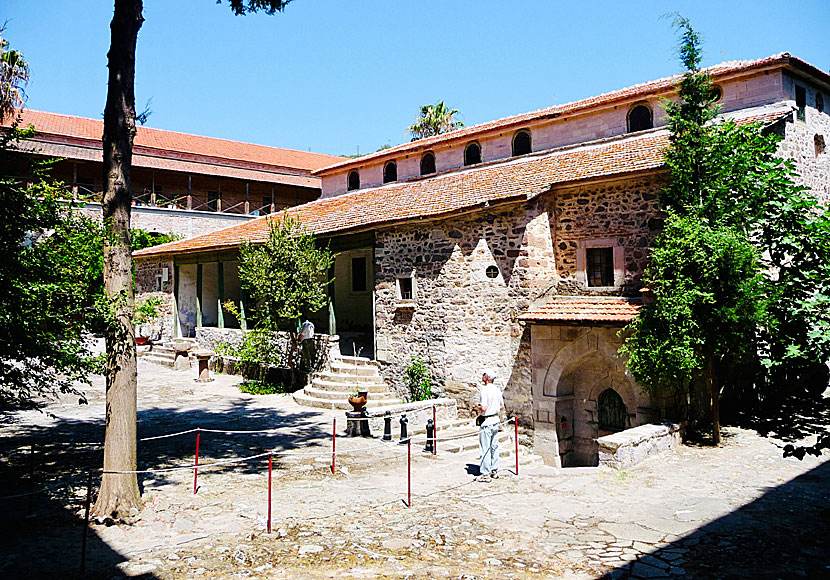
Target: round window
(492, 272)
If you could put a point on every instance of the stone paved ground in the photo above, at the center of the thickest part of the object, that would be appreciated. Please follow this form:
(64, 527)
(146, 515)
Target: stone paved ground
(738, 511)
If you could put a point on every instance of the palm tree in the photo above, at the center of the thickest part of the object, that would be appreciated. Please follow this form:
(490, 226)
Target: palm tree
(14, 75)
(434, 120)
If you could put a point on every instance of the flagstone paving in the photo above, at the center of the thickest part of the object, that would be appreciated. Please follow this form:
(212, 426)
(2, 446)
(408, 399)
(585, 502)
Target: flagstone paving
(739, 510)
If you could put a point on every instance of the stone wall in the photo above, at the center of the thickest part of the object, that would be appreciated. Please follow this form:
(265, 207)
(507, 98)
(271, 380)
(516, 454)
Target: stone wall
(804, 140)
(624, 214)
(181, 222)
(462, 320)
(632, 446)
(571, 366)
(148, 274)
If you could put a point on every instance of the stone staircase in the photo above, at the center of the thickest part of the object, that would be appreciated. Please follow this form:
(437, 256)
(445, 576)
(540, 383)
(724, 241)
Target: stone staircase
(332, 389)
(161, 354)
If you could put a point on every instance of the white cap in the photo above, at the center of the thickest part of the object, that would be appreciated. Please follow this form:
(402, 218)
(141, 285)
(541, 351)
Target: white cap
(491, 374)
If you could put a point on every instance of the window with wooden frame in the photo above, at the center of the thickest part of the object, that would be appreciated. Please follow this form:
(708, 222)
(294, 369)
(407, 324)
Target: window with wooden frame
(599, 266)
(406, 288)
(521, 143)
(639, 118)
(428, 163)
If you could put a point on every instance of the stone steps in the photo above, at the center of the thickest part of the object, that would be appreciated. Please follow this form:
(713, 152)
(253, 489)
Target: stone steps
(332, 389)
(348, 388)
(159, 360)
(325, 394)
(340, 403)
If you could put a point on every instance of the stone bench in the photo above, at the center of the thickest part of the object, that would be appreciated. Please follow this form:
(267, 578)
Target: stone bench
(630, 447)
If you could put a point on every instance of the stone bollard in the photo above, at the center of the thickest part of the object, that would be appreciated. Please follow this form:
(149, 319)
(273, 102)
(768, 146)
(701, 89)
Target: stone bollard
(404, 436)
(387, 426)
(430, 436)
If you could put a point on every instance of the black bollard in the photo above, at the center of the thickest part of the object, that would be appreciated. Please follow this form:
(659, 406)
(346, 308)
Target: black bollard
(430, 436)
(365, 431)
(404, 437)
(387, 426)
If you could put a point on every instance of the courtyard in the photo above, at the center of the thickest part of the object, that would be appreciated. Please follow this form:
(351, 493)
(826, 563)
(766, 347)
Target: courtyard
(738, 510)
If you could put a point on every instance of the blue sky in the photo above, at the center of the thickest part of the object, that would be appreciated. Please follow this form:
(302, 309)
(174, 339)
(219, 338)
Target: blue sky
(332, 76)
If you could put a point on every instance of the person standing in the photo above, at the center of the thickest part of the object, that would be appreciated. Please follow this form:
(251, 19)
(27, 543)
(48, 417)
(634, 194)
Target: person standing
(490, 403)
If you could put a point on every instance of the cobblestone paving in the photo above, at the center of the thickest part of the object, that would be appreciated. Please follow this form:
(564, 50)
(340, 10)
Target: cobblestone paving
(736, 511)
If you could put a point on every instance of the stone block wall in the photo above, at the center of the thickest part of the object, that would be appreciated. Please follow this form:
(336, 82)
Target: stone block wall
(571, 366)
(147, 272)
(623, 213)
(462, 320)
(632, 446)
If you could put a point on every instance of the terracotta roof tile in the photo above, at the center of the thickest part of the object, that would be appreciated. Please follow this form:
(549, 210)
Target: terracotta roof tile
(635, 91)
(66, 128)
(585, 309)
(466, 188)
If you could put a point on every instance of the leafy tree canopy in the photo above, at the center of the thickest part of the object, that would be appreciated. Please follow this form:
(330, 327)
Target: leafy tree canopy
(434, 120)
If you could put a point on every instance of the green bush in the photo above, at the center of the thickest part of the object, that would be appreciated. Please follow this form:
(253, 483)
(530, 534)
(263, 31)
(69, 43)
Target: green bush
(262, 388)
(419, 380)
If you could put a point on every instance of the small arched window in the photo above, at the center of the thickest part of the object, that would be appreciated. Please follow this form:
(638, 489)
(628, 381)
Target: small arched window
(612, 413)
(353, 181)
(428, 163)
(521, 143)
(639, 119)
(390, 172)
(716, 94)
(472, 154)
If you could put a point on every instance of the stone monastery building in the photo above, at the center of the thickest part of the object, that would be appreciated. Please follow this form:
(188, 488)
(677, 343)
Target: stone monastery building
(517, 244)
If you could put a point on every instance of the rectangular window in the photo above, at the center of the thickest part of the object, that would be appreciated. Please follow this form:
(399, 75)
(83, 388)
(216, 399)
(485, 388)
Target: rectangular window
(359, 274)
(801, 102)
(405, 289)
(213, 201)
(266, 205)
(599, 266)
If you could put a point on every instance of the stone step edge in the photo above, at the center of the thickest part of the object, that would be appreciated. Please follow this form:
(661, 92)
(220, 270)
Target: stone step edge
(324, 394)
(341, 405)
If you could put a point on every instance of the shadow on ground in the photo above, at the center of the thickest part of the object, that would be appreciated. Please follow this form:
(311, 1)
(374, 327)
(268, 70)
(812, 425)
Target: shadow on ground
(787, 528)
(41, 534)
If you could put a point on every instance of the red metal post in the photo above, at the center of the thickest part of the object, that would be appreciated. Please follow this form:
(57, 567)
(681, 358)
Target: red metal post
(409, 473)
(434, 432)
(269, 493)
(516, 439)
(196, 463)
(333, 439)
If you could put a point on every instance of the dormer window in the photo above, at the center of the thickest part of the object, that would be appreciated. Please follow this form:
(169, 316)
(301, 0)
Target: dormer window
(390, 172)
(428, 163)
(472, 154)
(521, 143)
(353, 180)
(801, 103)
(639, 118)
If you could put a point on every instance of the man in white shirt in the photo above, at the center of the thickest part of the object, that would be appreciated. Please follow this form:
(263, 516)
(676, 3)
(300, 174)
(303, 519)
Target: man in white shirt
(490, 403)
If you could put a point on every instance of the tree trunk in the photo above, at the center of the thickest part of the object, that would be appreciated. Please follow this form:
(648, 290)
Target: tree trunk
(714, 389)
(119, 492)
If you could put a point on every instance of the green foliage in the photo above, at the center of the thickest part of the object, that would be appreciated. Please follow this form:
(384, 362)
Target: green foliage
(418, 379)
(14, 76)
(147, 310)
(258, 347)
(140, 239)
(434, 120)
(263, 388)
(707, 286)
(741, 273)
(42, 292)
(285, 277)
(242, 7)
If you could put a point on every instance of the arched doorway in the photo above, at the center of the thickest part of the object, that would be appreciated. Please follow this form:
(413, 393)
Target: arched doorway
(611, 412)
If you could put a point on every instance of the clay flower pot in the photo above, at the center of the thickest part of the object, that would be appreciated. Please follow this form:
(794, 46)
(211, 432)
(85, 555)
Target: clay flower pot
(140, 340)
(358, 402)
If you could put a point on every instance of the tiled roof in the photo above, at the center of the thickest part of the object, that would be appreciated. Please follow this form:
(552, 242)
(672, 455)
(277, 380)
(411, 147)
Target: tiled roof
(463, 189)
(585, 309)
(67, 129)
(635, 91)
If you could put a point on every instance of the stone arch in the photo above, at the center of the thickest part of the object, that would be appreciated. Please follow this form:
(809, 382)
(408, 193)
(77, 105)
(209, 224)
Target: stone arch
(577, 349)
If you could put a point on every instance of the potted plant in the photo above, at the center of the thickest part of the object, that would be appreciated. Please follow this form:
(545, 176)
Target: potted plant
(358, 399)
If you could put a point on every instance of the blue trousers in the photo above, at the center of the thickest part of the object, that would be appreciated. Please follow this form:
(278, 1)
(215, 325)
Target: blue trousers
(488, 442)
